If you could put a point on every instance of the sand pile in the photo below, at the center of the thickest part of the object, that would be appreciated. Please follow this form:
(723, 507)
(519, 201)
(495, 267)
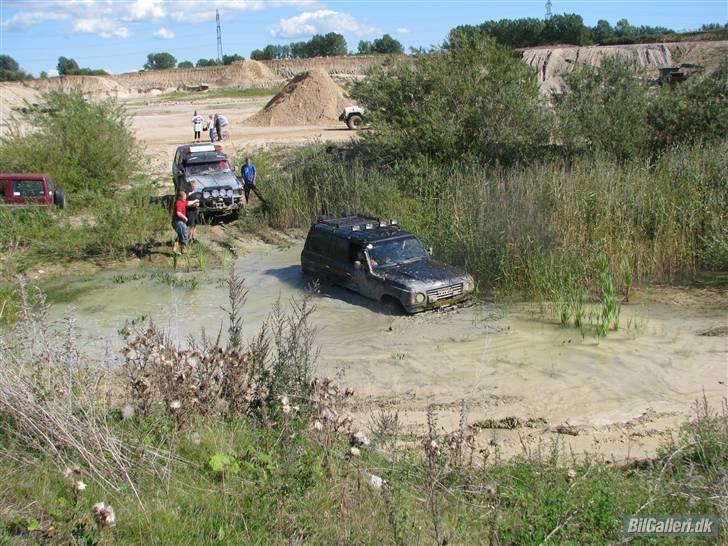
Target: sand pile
(311, 98)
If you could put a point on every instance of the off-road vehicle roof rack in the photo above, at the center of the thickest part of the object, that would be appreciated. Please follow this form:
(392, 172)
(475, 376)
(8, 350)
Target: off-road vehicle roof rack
(358, 222)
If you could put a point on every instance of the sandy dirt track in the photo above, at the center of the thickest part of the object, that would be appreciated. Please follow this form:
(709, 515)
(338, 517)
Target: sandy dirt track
(162, 126)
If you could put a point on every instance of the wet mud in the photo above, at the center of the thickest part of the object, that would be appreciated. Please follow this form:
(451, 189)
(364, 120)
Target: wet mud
(526, 381)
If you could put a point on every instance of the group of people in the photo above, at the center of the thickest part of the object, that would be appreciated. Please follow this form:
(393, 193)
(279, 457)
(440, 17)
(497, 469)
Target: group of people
(185, 211)
(213, 126)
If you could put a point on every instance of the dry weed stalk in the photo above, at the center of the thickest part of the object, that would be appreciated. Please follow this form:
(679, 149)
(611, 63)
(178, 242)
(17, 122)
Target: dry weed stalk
(50, 398)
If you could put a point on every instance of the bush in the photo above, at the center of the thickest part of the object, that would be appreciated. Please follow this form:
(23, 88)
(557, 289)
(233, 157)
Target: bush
(473, 101)
(603, 109)
(87, 147)
(694, 110)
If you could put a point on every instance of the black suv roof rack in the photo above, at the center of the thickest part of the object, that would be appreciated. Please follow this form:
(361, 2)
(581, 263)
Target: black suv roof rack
(347, 221)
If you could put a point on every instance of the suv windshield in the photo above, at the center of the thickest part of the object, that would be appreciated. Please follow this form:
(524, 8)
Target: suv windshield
(207, 168)
(396, 251)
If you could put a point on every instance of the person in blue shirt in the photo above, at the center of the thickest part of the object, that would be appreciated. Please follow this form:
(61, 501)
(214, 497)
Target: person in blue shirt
(248, 173)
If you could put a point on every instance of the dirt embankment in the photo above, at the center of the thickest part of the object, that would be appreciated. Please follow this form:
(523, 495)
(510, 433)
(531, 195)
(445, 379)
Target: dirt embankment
(239, 74)
(551, 63)
(310, 98)
(341, 67)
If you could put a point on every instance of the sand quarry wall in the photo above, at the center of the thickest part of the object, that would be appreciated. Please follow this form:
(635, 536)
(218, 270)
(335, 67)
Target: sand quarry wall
(550, 63)
(354, 65)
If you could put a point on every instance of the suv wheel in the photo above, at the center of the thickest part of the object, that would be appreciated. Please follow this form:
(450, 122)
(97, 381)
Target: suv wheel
(355, 122)
(59, 198)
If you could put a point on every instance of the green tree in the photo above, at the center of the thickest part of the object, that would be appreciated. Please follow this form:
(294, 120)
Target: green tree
(565, 29)
(387, 45)
(604, 108)
(185, 64)
(602, 32)
(365, 47)
(271, 52)
(230, 59)
(160, 61)
(66, 66)
(206, 62)
(474, 100)
(10, 70)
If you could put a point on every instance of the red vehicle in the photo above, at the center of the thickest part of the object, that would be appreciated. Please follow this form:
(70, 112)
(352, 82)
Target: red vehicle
(31, 189)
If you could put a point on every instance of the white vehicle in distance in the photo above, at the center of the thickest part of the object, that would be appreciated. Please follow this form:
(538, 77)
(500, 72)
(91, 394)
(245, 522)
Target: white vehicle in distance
(354, 117)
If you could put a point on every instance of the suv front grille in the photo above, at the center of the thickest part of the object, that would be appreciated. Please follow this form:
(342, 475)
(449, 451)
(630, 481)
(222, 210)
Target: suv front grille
(445, 292)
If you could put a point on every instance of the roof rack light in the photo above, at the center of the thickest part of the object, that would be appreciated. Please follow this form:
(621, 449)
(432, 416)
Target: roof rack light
(369, 225)
(394, 222)
(356, 227)
(383, 223)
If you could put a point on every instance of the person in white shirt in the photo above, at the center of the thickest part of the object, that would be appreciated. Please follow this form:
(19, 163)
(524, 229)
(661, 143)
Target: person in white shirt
(197, 125)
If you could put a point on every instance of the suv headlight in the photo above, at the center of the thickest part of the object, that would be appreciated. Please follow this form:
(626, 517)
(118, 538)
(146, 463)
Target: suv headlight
(206, 194)
(420, 297)
(230, 193)
(468, 285)
(215, 193)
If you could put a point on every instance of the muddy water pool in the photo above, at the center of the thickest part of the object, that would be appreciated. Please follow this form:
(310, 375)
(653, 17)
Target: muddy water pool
(504, 361)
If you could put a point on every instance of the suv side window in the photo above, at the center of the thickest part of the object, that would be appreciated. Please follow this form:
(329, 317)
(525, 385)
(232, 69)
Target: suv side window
(316, 241)
(339, 250)
(28, 188)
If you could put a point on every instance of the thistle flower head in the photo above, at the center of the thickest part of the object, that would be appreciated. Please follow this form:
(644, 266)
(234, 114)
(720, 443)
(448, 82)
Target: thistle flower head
(104, 515)
(318, 425)
(376, 482)
(358, 438)
(174, 405)
(354, 451)
(79, 486)
(127, 412)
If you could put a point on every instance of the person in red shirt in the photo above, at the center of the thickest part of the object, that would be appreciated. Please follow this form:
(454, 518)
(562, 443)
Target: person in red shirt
(179, 222)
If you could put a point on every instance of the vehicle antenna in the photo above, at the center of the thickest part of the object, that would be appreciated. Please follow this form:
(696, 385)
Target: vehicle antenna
(219, 37)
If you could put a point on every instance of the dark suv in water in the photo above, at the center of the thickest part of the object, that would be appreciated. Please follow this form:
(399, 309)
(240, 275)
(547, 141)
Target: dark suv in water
(216, 186)
(380, 261)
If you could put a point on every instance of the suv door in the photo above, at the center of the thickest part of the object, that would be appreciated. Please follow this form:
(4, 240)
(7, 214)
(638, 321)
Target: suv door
(175, 170)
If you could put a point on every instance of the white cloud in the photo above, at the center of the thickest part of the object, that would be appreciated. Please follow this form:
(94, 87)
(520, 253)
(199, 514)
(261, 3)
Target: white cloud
(24, 20)
(320, 22)
(164, 34)
(109, 18)
(52, 72)
(106, 28)
(402, 30)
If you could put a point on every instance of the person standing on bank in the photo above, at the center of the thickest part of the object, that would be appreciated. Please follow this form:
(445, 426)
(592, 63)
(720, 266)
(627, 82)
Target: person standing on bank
(179, 221)
(218, 127)
(211, 128)
(248, 173)
(193, 203)
(197, 125)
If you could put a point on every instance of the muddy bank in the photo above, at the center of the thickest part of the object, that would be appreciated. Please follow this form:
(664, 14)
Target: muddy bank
(524, 379)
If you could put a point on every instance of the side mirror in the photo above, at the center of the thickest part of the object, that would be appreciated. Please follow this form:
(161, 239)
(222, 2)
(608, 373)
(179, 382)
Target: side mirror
(429, 250)
(357, 265)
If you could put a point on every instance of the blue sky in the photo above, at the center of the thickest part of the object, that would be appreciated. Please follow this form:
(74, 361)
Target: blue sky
(117, 35)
